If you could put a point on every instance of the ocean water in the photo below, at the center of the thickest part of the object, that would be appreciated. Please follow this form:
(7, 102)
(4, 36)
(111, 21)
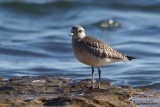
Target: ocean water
(34, 38)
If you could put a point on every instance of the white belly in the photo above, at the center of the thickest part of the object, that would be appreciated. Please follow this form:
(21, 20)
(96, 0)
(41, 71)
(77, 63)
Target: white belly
(93, 60)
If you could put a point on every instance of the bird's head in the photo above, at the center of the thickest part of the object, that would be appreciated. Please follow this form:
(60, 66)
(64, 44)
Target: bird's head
(78, 32)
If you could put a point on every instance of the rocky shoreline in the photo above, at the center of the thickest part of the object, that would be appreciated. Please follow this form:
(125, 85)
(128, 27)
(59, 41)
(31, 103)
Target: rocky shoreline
(62, 92)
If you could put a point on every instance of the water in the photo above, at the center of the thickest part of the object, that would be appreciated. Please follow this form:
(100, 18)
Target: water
(34, 38)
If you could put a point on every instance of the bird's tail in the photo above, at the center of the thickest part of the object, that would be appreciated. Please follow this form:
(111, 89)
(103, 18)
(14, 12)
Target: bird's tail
(130, 58)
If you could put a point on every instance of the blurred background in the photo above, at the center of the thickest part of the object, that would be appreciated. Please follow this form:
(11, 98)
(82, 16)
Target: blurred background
(34, 38)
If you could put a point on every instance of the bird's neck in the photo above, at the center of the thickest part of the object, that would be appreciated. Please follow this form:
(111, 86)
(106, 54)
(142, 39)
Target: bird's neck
(78, 37)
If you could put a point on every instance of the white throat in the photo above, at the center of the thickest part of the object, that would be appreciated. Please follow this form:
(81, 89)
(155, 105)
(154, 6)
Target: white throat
(82, 35)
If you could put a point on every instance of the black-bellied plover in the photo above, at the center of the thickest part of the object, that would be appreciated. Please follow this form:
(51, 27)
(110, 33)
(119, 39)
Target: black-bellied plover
(93, 52)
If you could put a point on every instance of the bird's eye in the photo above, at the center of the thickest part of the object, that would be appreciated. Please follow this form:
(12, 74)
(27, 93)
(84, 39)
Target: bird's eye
(80, 31)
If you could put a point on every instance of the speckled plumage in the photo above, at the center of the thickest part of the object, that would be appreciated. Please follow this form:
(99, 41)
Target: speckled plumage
(96, 51)
(92, 51)
(97, 48)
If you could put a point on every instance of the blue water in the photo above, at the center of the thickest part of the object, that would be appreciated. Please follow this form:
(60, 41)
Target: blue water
(34, 38)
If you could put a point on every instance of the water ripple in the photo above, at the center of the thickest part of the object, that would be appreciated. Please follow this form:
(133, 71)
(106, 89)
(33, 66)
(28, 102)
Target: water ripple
(34, 38)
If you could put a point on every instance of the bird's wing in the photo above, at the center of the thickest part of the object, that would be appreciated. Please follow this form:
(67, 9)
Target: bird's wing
(98, 48)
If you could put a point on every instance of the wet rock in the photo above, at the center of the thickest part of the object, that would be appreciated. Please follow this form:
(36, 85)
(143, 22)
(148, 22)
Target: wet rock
(109, 24)
(1, 79)
(52, 91)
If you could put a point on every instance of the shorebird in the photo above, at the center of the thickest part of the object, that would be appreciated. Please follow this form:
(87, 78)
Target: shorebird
(94, 52)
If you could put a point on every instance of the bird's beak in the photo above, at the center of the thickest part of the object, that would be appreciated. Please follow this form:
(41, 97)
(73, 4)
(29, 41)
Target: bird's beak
(71, 34)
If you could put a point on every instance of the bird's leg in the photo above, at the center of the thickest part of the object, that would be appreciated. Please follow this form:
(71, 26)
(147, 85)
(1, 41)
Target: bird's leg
(99, 73)
(92, 77)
